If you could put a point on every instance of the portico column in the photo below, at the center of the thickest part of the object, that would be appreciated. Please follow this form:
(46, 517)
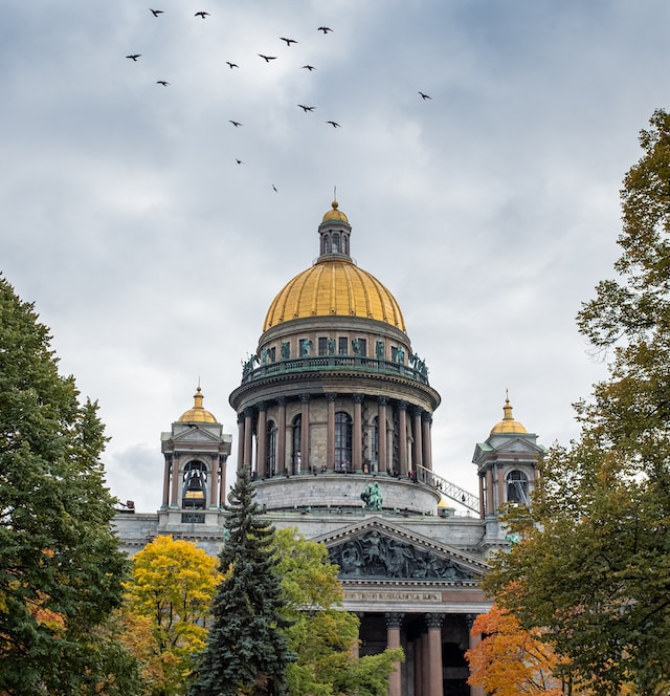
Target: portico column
(330, 432)
(402, 425)
(304, 434)
(174, 500)
(473, 641)
(418, 440)
(356, 645)
(240, 440)
(427, 422)
(435, 683)
(248, 437)
(381, 434)
(425, 665)
(262, 442)
(357, 445)
(222, 485)
(418, 666)
(281, 436)
(393, 623)
(214, 488)
(166, 481)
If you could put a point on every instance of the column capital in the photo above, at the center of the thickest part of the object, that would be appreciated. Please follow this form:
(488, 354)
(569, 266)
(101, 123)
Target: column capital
(393, 619)
(262, 406)
(427, 417)
(282, 401)
(358, 398)
(249, 412)
(417, 411)
(331, 397)
(434, 620)
(470, 620)
(402, 405)
(240, 417)
(304, 398)
(168, 457)
(382, 400)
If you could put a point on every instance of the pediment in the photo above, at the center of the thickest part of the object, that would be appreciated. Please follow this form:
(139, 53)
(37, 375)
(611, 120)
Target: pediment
(378, 549)
(196, 434)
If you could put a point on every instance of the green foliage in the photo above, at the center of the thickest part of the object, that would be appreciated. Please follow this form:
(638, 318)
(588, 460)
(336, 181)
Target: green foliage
(60, 565)
(247, 650)
(172, 584)
(594, 562)
(322, 634)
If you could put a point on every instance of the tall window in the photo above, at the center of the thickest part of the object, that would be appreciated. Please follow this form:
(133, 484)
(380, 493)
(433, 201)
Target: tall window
(296, 442)
(342, 345)
(343, 442)
(336, 243)
(374, 443)
(323, 345)
(194, 491)
(271, 449)
(517, 487)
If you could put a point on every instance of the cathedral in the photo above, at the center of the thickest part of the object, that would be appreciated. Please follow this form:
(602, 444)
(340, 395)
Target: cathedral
(334, 416)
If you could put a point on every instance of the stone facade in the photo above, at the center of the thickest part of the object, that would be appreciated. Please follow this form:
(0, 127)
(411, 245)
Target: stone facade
(334, 416)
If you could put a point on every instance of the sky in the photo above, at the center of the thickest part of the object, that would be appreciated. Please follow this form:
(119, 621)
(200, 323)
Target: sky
(490, 210)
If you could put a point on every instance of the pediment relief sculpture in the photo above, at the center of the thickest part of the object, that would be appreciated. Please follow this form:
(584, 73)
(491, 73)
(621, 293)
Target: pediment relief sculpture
(373, 555)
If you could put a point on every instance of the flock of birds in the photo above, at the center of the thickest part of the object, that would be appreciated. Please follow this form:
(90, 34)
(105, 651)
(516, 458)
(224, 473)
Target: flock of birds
(267, 58)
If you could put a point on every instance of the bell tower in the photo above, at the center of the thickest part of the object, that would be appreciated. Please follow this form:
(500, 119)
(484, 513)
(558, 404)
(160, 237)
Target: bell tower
(194, 480)
(506, 465)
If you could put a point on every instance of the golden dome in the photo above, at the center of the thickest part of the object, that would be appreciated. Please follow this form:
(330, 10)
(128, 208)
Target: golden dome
(334, 287)
(197, 414)
(335, 214)
(508, 425)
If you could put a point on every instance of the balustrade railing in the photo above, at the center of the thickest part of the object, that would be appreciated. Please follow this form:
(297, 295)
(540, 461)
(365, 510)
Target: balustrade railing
(334, 362)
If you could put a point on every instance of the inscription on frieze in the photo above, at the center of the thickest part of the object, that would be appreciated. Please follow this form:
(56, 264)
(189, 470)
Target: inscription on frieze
(378, 556)
(382, 596)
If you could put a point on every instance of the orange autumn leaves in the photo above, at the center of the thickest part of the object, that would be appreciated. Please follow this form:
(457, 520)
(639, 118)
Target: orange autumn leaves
(510, 661)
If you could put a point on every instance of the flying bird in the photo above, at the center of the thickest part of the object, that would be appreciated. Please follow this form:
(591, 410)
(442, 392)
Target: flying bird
(309, 67)
(274, 188)
(134, 56)
(236, 123)
(267, 59)
(239, 161)
(162, 82)
(288, 41)
(156, 12)
(201, 14)
(325, 30)
(424, 96)
(232, 65)
(333, 124)
(307, 108)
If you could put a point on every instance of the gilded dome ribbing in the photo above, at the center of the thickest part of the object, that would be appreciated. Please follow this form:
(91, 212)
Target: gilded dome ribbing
(334, 286)
(197, 414)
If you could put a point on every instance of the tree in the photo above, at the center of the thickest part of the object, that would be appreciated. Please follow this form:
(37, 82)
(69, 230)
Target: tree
(247, 650)
(173, 583)
(593, 566)
(510, 661)
(60, 565)
(322, 634)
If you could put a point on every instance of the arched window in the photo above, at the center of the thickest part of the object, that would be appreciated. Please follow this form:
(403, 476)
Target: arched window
(517, 487)
(336, 243)
(343, 442)
(271, 449)
(296, 443)
(194, 491)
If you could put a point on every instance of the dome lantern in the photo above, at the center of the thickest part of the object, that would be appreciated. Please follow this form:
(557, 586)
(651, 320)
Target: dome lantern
(508, 425)
(334, 232)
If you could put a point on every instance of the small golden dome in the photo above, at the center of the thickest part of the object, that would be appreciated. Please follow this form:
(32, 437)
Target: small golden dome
(508, 424)
(334, 287)
(197, 414)
(335, 214)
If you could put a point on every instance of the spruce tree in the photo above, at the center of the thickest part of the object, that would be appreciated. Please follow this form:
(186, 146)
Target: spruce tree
(247, 650)
(61, 569)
